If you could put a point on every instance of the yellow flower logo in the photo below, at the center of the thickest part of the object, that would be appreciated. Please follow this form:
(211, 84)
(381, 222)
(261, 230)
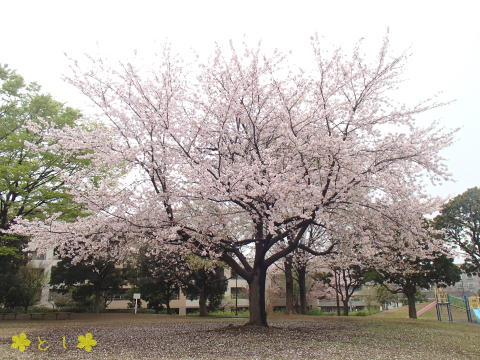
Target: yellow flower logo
(20, 342)
(86, 342)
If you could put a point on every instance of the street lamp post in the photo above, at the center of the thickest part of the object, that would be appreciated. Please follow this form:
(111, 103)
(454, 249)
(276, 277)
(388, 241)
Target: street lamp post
(236, 294)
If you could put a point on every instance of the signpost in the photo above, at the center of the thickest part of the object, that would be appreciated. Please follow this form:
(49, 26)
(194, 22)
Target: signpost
(136, 297)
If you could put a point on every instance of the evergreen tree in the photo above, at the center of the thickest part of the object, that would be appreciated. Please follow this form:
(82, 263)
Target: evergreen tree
(158, 278)
(92, 283)
(30, 184)
(424, 272)
(206, 282)
(24, 288)
(460, 222)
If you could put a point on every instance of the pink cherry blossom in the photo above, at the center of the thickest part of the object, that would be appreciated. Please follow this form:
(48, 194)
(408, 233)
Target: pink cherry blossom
(237, 162)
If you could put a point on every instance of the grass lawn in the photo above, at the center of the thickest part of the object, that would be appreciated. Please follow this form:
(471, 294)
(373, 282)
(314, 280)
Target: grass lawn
(149, 336)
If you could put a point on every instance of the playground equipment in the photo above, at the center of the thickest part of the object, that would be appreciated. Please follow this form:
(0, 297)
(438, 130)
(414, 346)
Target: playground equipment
(442, 300)
(473, 307)
(470, 304)
(426, 308)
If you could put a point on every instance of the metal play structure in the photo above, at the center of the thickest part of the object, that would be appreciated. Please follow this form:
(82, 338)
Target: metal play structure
(470, 304)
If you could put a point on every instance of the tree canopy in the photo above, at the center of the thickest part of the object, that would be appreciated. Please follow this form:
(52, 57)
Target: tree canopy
(460, 222)
(205, 281)
(30, 181)
(31, 185)
(418, 273)
(158, 276)
(98, 280)
(245, 155)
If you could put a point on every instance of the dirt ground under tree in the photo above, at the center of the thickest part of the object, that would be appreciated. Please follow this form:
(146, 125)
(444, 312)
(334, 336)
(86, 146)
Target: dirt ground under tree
(148, 336)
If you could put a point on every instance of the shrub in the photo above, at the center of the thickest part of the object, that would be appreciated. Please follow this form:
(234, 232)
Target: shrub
(40, 309)
(60, 300)
(315, 311)
(364, 312)
(225, 313)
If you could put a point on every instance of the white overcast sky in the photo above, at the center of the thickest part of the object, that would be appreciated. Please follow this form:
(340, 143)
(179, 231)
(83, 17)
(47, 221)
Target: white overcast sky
(442, 36)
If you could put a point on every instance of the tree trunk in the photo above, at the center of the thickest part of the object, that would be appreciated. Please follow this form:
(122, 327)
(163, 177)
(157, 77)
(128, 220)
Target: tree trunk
(345, 307)
(289, 309)
(4, 216)
(302, 287)
(256, 297)
(169, 310)
(202, 302)
(337, 290)
(98, 302)
(412, 311)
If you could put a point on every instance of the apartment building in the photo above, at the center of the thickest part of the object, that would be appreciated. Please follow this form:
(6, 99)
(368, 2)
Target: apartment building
(44, 262)
(236, 296)
(469, 285)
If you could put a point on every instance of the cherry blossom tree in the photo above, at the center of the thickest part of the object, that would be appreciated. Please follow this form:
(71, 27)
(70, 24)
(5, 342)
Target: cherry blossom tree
(244, 154)
(296, 265)
(344, 269)
(344, 281)
(317, 242)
